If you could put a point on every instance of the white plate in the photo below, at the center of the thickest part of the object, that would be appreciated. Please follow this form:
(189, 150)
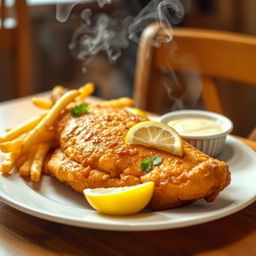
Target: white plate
(54, 201)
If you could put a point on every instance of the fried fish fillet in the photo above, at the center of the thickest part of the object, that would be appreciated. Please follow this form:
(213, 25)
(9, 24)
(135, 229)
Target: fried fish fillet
(93, 153)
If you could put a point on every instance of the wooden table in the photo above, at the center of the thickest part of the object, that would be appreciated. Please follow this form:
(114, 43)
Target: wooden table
(22, 234)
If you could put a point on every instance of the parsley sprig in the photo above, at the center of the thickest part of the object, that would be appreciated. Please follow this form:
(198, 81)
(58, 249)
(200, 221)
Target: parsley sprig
(79, 110)
(147, 164)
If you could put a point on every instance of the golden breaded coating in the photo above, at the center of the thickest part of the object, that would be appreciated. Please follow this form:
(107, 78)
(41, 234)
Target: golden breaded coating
(93, 153)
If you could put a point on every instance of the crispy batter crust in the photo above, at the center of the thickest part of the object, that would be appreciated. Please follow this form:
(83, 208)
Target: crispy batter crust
(93, 153)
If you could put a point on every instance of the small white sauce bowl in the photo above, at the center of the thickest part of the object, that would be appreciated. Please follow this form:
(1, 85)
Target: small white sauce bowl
(209, 144)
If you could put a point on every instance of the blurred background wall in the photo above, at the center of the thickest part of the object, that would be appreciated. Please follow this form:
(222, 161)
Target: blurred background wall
(53, 63)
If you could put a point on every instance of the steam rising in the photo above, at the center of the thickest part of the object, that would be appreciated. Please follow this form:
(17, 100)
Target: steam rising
(166, 12)
(100, 33)
(103, 33)
(183, 89)
(63, 11)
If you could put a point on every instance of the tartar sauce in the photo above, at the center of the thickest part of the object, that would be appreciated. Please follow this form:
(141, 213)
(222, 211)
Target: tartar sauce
(195, 126)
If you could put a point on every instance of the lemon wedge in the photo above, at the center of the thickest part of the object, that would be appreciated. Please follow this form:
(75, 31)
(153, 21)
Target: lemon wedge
(156, 135)
(137, 111)
(120, 200)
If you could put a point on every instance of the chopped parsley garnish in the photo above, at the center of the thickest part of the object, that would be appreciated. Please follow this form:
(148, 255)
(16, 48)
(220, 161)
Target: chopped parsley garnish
(79, 110)
(147, 164)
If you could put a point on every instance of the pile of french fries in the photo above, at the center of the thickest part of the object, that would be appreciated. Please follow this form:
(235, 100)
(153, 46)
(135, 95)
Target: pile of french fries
(27, 144)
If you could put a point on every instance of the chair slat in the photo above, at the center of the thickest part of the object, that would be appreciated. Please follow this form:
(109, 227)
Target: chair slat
(234, 54)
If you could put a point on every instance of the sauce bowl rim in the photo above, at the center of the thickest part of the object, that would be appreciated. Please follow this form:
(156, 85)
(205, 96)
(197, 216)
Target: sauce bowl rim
(226, 123)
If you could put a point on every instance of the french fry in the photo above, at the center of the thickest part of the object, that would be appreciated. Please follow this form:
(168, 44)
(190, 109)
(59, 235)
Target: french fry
(21, 128)
(21, 159)
(37, 163)
(49, 119)
(56, 93)
(19, 142)
(16, 144)
(85, 91)
(41, 103)
(9, 162)
(25, 168)
(118, 103)
(46, 136)
(13, 145)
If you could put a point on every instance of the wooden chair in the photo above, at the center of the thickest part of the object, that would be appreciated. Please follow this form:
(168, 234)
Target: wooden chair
(219, 55)
(16, 41)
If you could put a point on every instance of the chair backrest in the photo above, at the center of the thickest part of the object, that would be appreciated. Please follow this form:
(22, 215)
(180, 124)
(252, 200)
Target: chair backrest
(15, 37)
(219, 55)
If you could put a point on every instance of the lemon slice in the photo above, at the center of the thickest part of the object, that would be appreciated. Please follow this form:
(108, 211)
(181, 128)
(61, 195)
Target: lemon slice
(120, 200)
(137, 111)
(156, 135)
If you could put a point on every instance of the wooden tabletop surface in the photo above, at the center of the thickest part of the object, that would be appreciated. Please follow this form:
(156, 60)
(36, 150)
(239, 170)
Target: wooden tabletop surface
(22, 234)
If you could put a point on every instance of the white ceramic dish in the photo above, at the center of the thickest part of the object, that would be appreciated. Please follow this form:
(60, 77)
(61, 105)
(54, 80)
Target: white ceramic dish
(209, 144)
(56, 202)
